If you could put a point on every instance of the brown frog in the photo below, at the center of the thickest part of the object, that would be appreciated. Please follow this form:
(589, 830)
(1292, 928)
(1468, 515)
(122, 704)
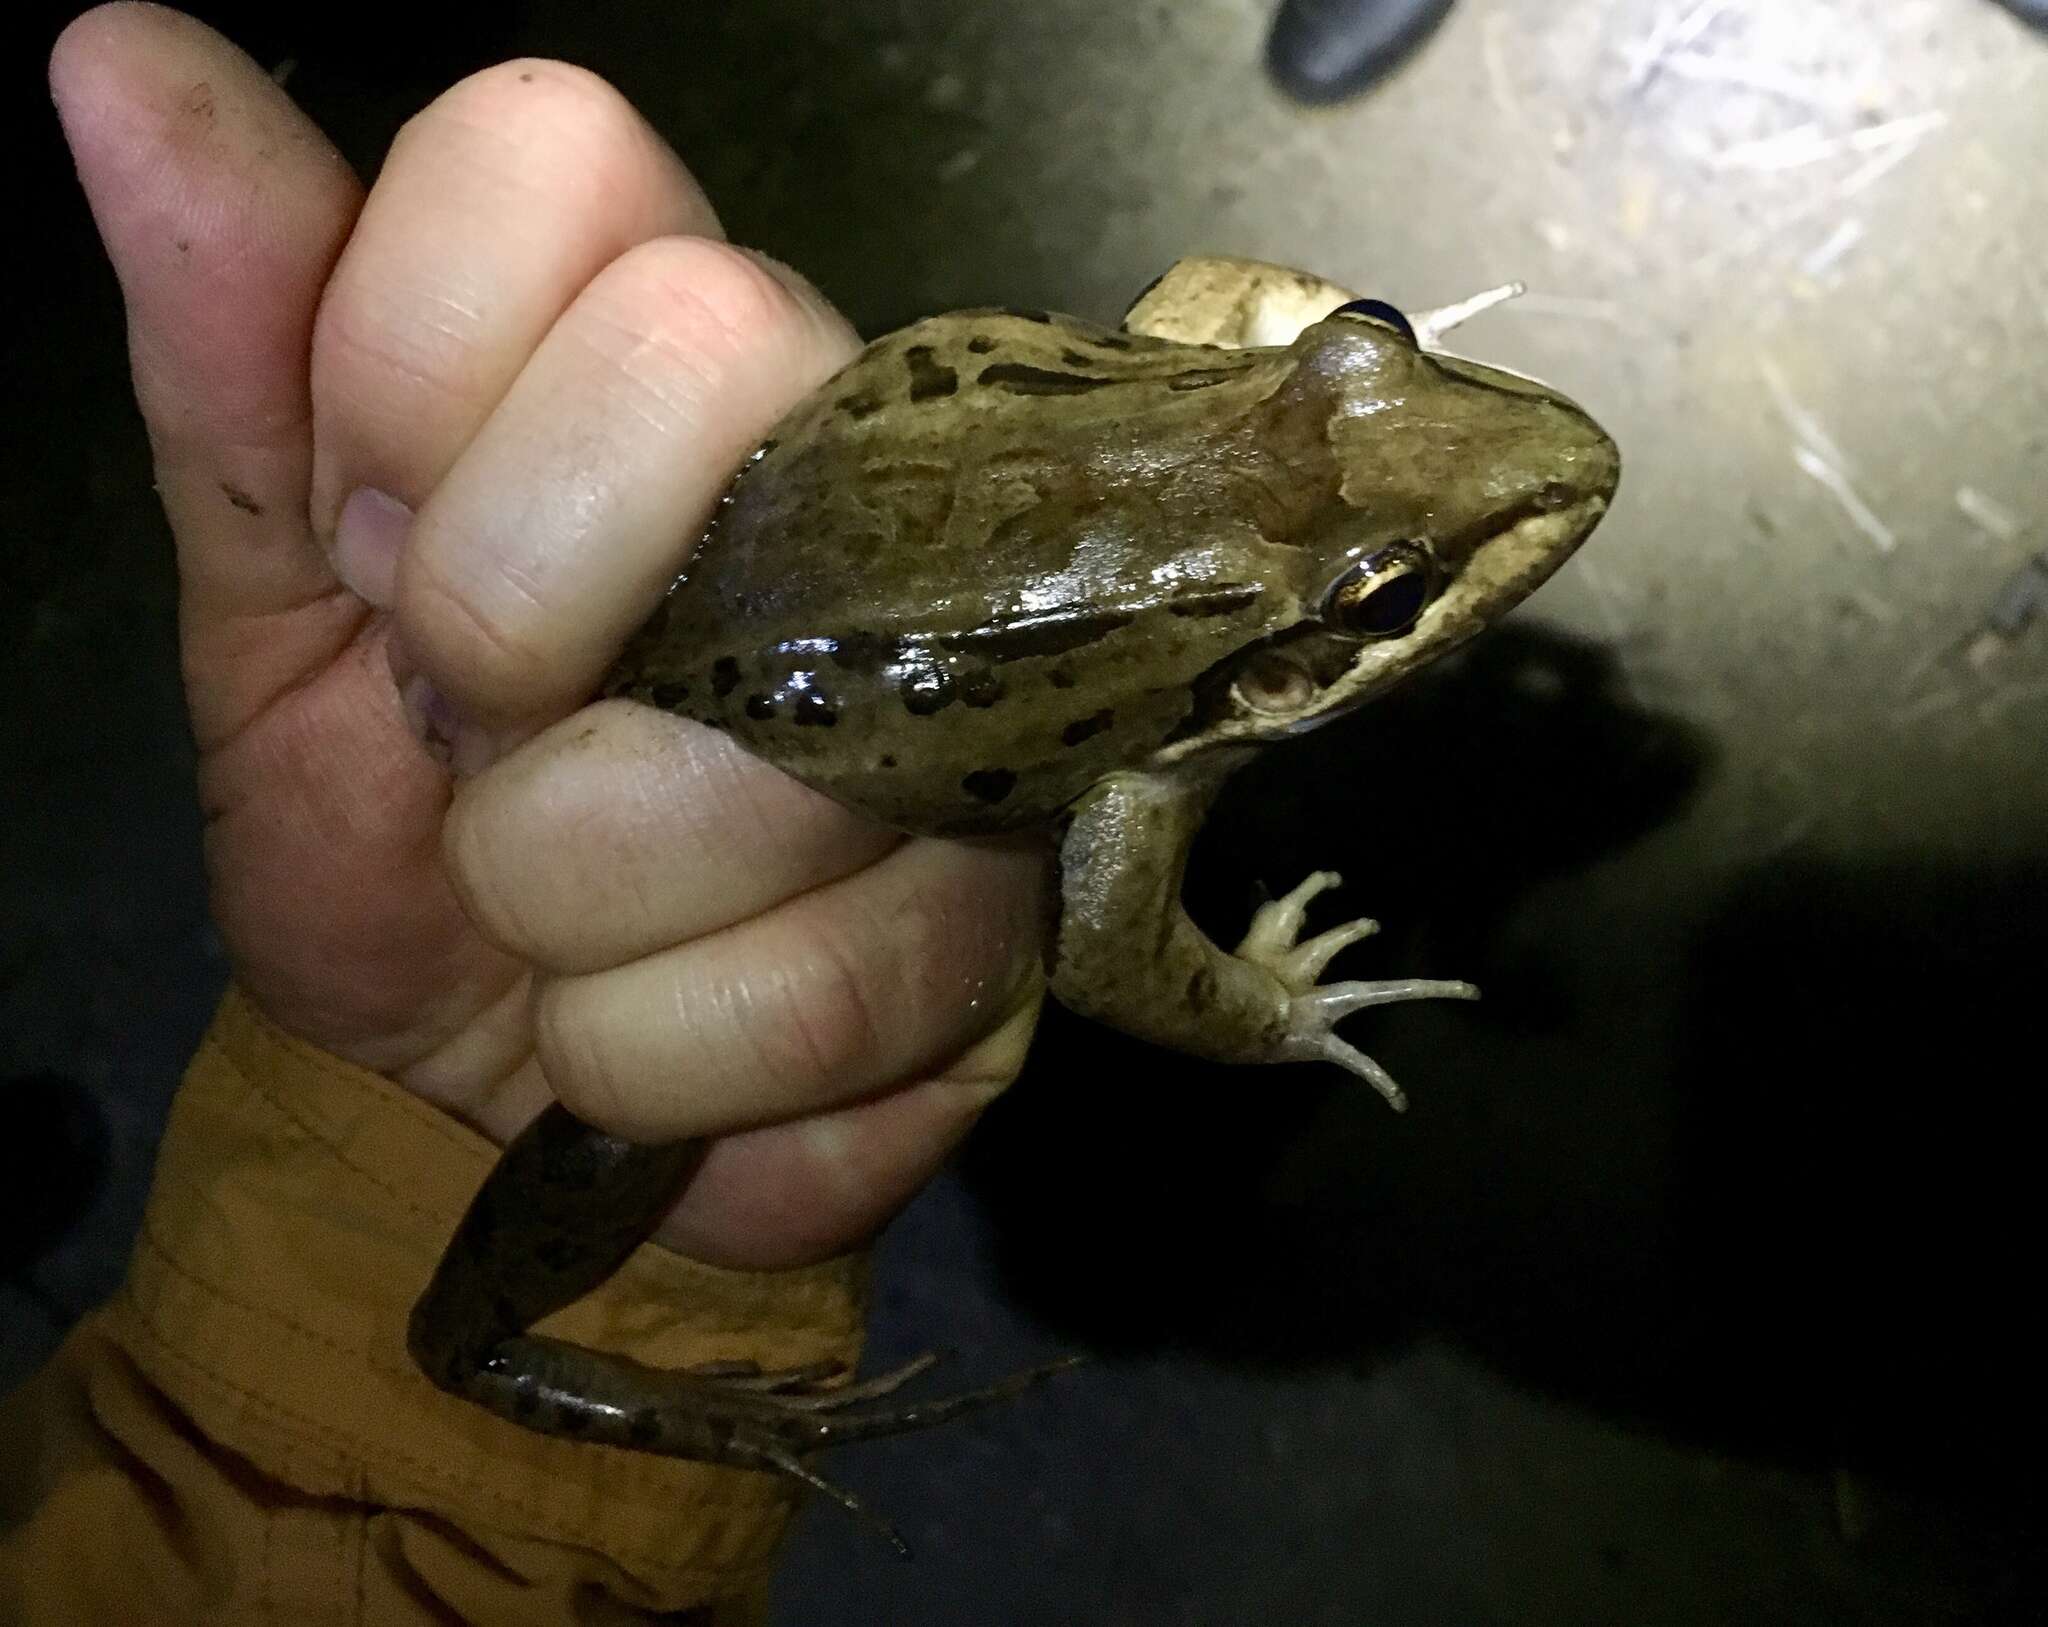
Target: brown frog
(1012, 571)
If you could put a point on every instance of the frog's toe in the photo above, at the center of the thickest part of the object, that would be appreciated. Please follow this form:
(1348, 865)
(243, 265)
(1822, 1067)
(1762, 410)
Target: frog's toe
(1312, 1018)
(751, 1375)
(1270, 943)
(1300, 966)
(1277, 923)
(777, 1432)
(817, 1398)
(809, 1419)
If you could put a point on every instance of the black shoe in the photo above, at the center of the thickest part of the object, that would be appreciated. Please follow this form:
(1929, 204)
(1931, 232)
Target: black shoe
(1326, 50)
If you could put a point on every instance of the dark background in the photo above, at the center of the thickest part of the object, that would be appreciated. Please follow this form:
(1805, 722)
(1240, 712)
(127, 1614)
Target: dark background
(1693, 1288)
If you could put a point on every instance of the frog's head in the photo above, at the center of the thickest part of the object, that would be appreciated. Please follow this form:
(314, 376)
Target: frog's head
(1454, 490)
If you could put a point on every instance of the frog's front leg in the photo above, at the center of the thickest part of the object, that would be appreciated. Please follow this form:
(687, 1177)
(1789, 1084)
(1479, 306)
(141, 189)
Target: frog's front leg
(1127, 954)
(561, 1211)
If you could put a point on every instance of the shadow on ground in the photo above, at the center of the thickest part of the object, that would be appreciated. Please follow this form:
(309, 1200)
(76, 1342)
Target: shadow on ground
(1811, 1251)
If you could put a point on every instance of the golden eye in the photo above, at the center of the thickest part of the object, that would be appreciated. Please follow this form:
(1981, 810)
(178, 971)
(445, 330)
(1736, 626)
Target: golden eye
(1381, 596)
(1272, 683)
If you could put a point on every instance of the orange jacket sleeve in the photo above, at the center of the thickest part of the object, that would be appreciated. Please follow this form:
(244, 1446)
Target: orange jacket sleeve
(239, 1435)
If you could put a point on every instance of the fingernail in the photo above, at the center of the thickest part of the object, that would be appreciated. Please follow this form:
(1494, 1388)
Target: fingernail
(432, 717)
(369, 534)
(451, 739)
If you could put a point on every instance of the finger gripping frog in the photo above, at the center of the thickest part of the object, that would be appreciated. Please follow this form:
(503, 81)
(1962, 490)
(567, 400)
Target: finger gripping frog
(1012, 571)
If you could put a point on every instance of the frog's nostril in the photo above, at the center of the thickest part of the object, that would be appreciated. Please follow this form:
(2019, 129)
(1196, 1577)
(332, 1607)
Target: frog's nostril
(1554, 495)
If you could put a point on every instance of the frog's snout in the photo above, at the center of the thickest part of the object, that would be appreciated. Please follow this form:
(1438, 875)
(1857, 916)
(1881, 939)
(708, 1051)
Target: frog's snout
(1580, 463)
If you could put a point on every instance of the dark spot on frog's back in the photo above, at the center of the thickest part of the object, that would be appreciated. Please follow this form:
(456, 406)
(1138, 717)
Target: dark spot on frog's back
(1110, 341)
(1086, 728)
(725, 676)
(816, 712)
(980, 688)
(927, 692)
(859, 404)
(1024, 314)
(760, 708)
(864, 652)
(930, 380)
(980, 345)
(1021, 378)
(989, 785)
(669, 696)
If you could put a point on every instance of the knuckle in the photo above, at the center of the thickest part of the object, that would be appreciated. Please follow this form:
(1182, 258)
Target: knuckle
(697, 300)
(469, 852)
(487, 855)
(826, 1019)
(472, 636)
(582, 1071)
(373, 338)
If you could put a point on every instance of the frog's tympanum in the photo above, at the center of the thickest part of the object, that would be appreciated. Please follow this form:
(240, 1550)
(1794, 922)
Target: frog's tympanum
(1011, 571)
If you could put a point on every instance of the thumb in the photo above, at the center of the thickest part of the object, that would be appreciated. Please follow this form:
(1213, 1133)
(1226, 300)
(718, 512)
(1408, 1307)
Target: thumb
(223, 209)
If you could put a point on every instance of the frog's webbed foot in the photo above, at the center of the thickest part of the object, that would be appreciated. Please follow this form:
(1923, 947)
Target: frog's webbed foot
(734, 1412)
(1313, 1011)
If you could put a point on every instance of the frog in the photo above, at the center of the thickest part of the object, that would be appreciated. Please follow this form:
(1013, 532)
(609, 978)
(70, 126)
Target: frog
(1012, 572)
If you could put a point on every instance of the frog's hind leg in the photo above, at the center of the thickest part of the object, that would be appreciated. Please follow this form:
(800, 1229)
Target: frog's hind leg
(559, 1214)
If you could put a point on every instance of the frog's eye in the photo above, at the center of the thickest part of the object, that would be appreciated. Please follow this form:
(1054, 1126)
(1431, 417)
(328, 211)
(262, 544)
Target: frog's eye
(1382, 594)
(1378, 310)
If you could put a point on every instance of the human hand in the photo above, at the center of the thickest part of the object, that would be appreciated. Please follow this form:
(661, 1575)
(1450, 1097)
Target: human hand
(449, 442)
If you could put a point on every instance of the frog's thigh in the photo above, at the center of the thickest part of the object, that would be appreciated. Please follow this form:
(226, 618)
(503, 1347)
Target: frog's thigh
(1126, 952)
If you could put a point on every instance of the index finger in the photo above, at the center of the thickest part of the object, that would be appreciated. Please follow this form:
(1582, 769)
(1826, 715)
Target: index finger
(496, 205)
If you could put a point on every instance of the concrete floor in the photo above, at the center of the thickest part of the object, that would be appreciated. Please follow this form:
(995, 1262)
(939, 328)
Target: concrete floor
(1693, 1289)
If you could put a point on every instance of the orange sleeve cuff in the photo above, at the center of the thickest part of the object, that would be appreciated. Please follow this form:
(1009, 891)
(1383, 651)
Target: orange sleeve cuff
(299, 1206)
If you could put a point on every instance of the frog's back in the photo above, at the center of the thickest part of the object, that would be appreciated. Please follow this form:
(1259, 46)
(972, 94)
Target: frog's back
(980, 567)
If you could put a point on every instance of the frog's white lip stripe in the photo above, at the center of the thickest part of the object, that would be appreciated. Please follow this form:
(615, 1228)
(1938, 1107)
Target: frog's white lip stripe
(1507, 540)
(1548, 528)
(1502, 557)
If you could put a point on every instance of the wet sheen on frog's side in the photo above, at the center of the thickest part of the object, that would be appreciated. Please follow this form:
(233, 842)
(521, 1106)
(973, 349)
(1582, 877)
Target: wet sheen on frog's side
(1012, 571)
